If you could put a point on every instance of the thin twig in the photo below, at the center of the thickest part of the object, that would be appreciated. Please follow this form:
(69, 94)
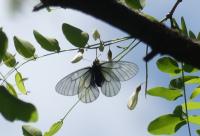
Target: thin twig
(130, 50)
(124, 49)
(146, 70)
(171, 13)
(69, 111)
(93, 46)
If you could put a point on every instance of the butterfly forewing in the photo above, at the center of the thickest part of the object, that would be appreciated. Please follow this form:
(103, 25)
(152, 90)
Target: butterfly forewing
(122, 69)
(71, 84)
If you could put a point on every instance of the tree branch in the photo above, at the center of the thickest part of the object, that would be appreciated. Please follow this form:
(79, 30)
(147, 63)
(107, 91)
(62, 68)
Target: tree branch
(160, 38)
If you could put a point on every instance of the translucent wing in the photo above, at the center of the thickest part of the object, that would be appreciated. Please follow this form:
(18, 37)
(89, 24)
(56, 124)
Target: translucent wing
(122, 69)
(79, 82)
(71, 84)
(88, 91)
(111, 85)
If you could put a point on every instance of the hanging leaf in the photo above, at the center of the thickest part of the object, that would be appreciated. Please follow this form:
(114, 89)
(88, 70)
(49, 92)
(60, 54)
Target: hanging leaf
(75, 36)
(166, 125)
(96, 35)
(193, 81)
(31, 131)
(194, 119)
(192, 105)
(3, 44)
(195, 93)
(12, 108)
(192, 35)
(198, 132)
(166, 93)
(11, 89)
(9, 60)
(132, 102)
(78, 57)
(46, 43)
(20, 83)
(184, 27)
(135, 4)
(54, 128)
(177, 83)
(189, 69)
(168, 65)
(178, 111)
(24, 48)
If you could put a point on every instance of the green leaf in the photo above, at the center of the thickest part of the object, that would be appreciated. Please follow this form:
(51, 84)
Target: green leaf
(184, 27)
(168, 65)
(195, 93)
(198, 132)
(193, 81)
(194, 119)
(189, 69)
(135, 4)
(24, 48)
(31, 131)
(166, 93)
(3, 44)
(178, 111)
(14, 109)
(75, 36)
(54, 128)
(177, 83)
(175, 24)
(20, 83)
(192, 105)
(198, 37)
(166, 125)
(46, 43)
(11, 89)
(96, 35)
(9, 60)
(192, 35)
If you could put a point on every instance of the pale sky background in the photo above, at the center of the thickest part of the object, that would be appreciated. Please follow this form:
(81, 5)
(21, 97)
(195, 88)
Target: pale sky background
(105, 116)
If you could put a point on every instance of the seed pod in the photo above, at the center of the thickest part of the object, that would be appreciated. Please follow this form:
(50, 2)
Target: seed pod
(96, 35)
(132, 102)
(77, 57)
(109, 55)
(101, 46)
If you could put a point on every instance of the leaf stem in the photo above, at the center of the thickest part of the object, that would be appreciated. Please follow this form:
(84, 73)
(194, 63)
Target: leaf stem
(130, 49)
(185, 99)
(147, 71)
(69, 111)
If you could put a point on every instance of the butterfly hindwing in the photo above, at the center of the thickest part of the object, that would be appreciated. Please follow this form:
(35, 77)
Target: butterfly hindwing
(88, 91)
(111, 85)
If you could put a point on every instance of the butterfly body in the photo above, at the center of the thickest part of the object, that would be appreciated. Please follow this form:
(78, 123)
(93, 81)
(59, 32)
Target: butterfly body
(97, 76)
(87, 81)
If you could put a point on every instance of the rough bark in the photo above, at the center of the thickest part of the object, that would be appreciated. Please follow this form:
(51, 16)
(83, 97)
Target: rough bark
(160, 38)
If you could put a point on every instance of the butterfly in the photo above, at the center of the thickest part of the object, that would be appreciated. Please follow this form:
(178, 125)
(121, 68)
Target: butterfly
(106, 75)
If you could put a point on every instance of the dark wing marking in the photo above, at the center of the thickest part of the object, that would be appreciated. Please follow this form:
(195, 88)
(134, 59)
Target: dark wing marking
(111, 85)
(122, 69)
(71, 84)
(88, 90)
